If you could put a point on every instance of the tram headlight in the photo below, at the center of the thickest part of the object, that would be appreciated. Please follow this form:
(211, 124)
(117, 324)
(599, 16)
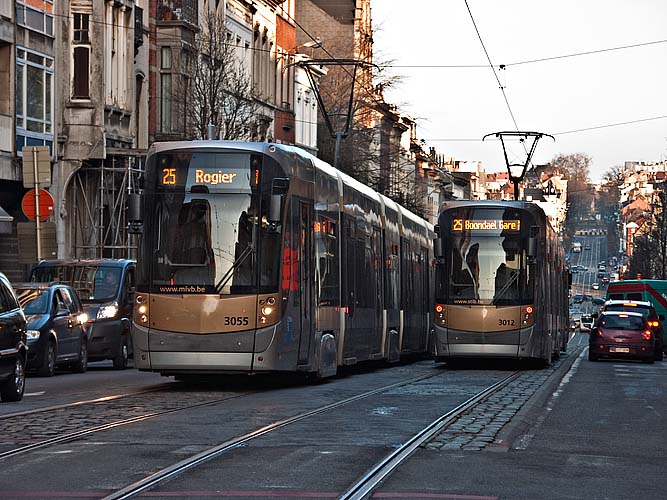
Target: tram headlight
(141, 310)
(267, 310)
(528, 315)
(440, 316)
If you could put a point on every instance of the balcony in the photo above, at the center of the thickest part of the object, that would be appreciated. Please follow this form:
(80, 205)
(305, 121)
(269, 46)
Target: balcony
(178, 10)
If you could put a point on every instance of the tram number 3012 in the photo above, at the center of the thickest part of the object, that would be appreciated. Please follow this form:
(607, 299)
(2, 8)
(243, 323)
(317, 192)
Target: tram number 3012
(506, 322)
(236, 320)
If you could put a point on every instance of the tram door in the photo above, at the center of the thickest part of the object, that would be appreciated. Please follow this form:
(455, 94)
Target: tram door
(361, 291)
(306, 251)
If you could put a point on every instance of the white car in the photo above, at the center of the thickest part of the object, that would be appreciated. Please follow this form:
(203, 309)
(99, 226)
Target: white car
(595, 286)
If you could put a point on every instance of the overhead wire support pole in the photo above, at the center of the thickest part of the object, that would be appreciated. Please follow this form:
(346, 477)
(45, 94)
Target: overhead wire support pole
(335, 132)
(516, 179)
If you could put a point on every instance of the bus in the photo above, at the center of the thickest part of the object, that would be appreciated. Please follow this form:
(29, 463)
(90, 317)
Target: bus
(653, 291)
(501, 283)
(258, 257)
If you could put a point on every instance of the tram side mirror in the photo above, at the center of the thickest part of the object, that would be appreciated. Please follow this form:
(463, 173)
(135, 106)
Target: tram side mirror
(279, 188)
(134, 215)
(531, 251)
(438, 248)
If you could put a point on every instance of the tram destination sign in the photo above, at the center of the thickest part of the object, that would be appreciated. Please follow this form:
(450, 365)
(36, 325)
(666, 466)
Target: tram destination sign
(483, 225)
(208, 178)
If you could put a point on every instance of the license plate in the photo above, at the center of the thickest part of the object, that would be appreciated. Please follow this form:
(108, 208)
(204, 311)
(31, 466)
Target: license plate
(619, 349)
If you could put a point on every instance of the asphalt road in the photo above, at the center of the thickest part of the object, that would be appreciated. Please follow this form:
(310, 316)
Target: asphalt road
(598, 432)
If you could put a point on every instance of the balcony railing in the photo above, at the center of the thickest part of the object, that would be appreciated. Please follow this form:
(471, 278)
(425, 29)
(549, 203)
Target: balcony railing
(178, 10)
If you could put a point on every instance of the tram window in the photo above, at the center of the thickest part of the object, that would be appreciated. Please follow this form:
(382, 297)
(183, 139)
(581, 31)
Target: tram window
(326, 248)
(269, 248)
(407, 286)
(365, 289)
(349, 275)
(634, 296)
(616, 296)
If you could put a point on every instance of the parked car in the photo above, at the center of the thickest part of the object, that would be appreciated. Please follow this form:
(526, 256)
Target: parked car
(597, 301)
(57, 333)
(650, 314)
(106, 288)
(13, 347)
(620, 334)
(577, 299)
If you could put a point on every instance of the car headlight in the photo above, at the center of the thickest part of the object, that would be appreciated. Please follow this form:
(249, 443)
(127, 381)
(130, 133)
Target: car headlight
(32, 334)
(108, 311)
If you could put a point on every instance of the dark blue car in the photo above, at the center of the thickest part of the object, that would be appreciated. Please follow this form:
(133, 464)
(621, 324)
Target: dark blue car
(57, 334)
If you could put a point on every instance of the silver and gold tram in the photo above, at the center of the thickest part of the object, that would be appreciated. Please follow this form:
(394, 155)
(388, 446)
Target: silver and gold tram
(501, 283)
(259, 257)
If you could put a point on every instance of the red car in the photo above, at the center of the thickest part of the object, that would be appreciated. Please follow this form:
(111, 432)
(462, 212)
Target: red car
(621, 334)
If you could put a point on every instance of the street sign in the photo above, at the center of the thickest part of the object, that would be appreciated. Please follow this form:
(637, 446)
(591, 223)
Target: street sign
(27, 242)
(45, 204)
(41, 155)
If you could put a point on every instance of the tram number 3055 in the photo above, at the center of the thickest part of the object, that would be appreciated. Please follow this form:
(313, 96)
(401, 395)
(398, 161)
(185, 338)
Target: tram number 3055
(506, 322)
(236, 320)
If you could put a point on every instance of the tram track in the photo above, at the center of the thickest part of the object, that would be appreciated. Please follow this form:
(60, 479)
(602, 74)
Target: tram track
(75, 404)
(369, 480)
(34, 429)
(70, 436)
(372, 479)
(177, 469)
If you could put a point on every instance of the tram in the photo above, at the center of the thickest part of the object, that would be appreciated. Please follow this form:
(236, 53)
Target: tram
(258, 257)
(501, 283)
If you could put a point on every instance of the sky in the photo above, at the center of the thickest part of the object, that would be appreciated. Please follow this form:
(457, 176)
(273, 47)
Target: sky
(456, 107)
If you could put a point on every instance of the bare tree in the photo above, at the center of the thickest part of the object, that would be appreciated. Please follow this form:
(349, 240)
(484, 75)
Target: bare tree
(219, 90)
(371, 151)
(580, 193)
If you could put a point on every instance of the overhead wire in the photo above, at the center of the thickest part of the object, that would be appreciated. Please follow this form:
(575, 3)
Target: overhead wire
(574, 131)
(500, 85)
(530, 61)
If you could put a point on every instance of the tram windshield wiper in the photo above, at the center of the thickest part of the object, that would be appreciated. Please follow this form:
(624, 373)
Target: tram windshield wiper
(250, 249)
(513, 278)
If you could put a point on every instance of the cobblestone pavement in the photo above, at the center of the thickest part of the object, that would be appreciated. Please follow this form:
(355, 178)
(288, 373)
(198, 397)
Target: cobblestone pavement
(479, 427)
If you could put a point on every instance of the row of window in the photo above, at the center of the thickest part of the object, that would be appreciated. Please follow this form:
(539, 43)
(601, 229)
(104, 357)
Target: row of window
(30, 17)
(34, 99)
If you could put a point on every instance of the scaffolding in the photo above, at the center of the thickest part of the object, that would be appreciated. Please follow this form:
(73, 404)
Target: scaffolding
(97, 199)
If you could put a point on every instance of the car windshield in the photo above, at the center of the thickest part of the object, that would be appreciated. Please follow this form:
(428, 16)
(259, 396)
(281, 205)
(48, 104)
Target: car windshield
(622, 322)
(93, 283)
(34, 300)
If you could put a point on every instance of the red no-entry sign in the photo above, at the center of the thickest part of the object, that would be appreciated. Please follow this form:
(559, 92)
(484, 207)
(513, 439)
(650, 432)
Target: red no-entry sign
(45, 204)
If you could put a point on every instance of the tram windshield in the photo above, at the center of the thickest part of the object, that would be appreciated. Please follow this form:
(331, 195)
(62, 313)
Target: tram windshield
(485, 258)
(211, 232)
